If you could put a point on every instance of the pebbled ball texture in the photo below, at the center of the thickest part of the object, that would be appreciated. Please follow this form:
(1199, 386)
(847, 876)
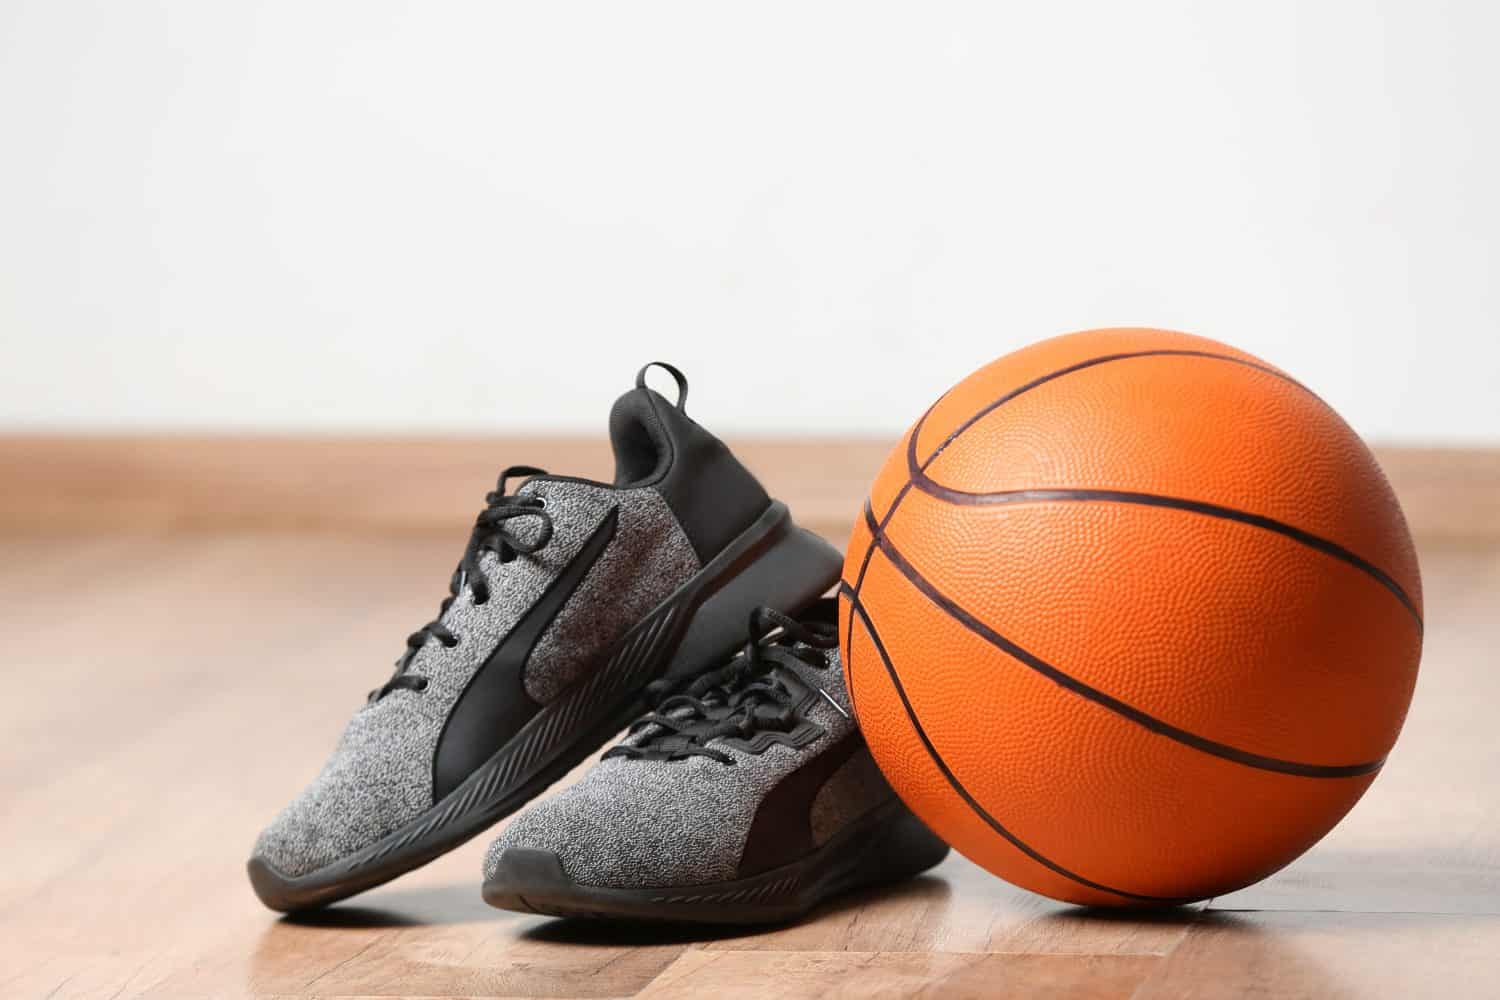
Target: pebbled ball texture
(1131, 618)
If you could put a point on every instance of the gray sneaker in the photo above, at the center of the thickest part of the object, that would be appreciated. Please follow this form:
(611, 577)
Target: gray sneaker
(748, 796)
(570, 598)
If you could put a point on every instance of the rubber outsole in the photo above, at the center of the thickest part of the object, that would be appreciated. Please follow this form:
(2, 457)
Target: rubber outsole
(888, 845)
(772, 562)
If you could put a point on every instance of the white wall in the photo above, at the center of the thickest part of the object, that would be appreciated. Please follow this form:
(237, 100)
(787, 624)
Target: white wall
(482, 216)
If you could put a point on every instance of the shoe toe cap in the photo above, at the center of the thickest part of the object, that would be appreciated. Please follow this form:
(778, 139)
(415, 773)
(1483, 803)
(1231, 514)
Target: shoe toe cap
(362, 794)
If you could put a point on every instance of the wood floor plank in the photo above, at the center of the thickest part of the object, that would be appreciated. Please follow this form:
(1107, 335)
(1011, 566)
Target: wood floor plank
(430, 939)
(959, 907)
(168, 693)
(1330, 956)
(820, 975)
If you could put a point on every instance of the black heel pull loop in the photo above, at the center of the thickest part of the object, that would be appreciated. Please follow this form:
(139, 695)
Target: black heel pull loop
(672, 370)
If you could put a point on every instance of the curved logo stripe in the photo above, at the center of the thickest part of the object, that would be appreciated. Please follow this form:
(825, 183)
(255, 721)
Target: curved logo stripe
(1098, 697)
(857, 608)
(494, 705)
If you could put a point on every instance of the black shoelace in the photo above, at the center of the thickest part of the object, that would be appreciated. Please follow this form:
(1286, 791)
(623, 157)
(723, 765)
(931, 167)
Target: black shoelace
(491, 534)
(747, 695)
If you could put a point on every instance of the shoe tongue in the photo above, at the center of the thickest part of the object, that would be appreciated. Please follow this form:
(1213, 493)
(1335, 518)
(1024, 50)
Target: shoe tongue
(820, 615)
(829, 678)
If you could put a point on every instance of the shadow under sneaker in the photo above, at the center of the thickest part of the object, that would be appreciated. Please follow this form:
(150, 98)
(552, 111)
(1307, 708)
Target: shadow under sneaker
(570, 598)
(747, 796)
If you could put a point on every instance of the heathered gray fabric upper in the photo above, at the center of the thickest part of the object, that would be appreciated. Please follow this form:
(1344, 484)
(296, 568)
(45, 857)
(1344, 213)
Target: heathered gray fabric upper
(380, 774)
(633, 823)
(649, 558)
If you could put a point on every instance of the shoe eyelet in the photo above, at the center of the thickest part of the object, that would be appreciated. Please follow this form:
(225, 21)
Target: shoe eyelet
(421, 684)
(456, 640)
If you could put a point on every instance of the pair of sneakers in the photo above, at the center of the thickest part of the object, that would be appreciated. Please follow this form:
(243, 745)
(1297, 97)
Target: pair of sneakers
(680, 600)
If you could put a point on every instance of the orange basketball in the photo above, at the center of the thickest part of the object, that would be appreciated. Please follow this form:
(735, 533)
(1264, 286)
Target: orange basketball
(1131, 617)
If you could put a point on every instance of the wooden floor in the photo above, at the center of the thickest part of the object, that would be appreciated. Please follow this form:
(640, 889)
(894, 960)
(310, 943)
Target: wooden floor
(164, 695)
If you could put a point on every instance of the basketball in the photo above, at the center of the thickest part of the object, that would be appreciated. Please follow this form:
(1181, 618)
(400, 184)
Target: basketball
(1130, 617)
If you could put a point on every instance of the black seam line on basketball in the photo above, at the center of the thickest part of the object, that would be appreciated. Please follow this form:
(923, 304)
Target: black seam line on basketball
(859, 580)
(1337, 551)
(1093, 694)
(914, 467)
(900, 494)
(857, 607)
(845, 590)
(1080, 366)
